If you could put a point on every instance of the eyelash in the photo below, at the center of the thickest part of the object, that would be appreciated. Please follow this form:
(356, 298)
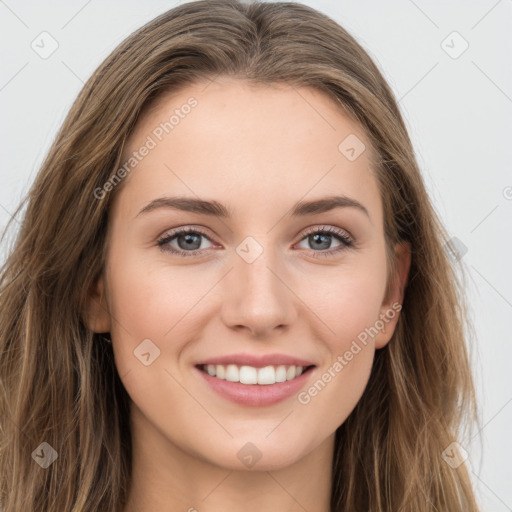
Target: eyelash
(342, 236)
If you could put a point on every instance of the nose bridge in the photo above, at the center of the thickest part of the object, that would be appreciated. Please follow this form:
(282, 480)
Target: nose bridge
(257, 297)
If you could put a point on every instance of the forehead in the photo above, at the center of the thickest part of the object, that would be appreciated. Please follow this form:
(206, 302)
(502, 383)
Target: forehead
(249, 146)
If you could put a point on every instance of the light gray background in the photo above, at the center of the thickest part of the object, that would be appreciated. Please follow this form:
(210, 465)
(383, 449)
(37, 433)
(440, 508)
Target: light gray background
(458, 110)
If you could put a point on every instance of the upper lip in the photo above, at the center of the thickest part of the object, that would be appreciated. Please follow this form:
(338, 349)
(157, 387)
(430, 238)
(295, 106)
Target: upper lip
(257, 361)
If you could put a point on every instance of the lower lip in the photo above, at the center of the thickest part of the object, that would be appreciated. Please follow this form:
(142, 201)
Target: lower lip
(256, 395)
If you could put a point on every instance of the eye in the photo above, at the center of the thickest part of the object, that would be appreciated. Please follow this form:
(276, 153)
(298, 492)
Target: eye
(188, 241)
(321, 238)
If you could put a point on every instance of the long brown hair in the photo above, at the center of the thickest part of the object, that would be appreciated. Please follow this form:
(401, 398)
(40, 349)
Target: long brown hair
(59, 384)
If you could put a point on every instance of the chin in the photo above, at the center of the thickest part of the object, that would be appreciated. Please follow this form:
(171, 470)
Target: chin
(239, 454)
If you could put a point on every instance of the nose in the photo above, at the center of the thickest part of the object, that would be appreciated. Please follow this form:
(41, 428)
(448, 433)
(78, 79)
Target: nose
(257, 297)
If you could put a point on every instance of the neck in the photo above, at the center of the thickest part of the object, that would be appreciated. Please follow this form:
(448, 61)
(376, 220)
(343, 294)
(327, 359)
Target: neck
(166, 478)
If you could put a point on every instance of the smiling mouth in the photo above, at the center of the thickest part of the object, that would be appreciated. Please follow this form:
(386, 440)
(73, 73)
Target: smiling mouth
(250, 375)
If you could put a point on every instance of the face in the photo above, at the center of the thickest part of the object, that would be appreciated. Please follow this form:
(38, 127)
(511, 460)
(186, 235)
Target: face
(266, 286)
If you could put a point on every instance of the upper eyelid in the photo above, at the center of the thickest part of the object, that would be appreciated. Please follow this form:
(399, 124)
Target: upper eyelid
(186, 229)
(332, 230)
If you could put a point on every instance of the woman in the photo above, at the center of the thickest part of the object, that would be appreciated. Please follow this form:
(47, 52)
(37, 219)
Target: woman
(172, 335)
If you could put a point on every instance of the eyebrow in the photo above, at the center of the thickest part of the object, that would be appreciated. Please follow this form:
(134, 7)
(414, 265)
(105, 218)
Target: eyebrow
(216, 209)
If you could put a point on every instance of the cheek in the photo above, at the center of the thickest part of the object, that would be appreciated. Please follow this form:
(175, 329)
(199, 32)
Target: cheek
(348, 298)
(351, 312)
(151, 301)
(349, 303)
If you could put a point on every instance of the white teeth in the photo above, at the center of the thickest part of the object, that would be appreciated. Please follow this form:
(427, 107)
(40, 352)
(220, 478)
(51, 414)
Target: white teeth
(281, 373)
(266, 375)
(232, 373)
(248, 375)
(251, 375)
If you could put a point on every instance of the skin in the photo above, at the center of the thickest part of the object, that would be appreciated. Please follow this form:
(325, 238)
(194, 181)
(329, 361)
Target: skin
(258, 150)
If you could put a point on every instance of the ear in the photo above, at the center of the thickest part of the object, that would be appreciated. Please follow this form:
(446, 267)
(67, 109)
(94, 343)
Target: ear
(392, 303)
(97, 316)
